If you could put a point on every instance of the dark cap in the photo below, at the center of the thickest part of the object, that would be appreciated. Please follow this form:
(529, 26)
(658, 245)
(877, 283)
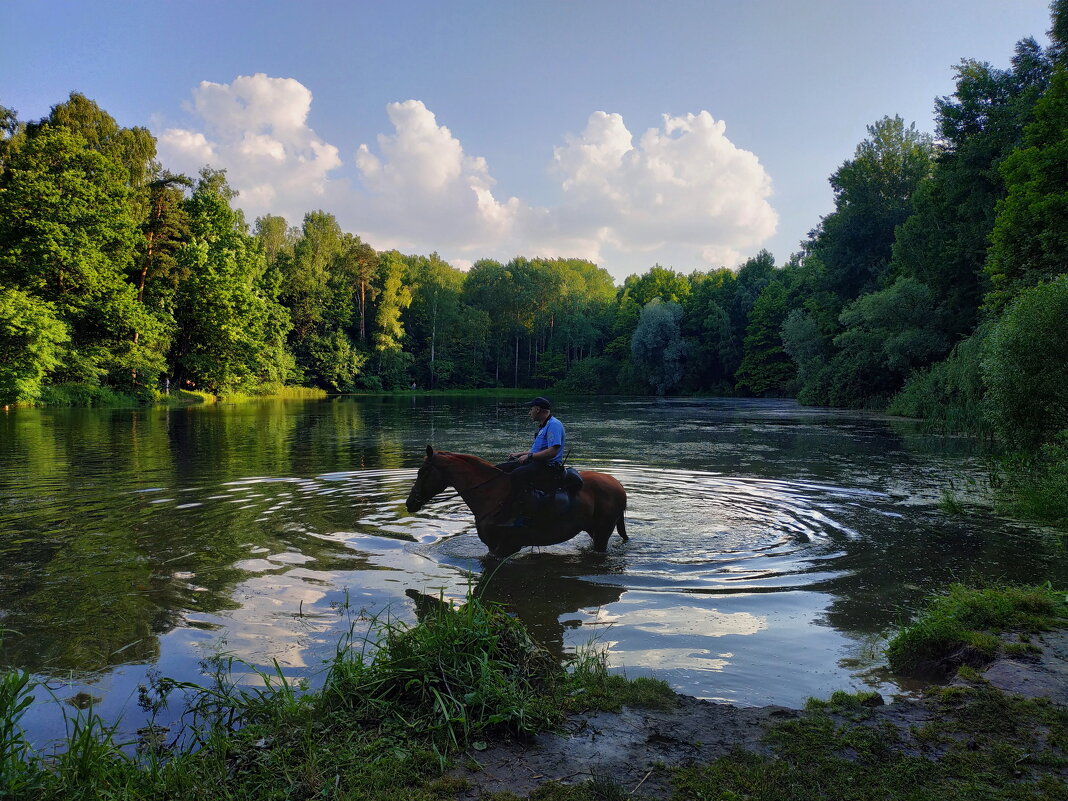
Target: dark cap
(539, 401)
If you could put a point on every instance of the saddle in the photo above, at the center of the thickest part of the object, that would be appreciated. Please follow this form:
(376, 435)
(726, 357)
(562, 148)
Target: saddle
(555, 495)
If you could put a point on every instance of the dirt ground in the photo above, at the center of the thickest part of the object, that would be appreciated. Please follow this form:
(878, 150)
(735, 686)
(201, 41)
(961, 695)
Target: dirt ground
(632, 747)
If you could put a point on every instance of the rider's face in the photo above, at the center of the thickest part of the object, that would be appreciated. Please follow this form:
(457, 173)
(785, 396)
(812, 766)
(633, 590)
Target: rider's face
(534, 412)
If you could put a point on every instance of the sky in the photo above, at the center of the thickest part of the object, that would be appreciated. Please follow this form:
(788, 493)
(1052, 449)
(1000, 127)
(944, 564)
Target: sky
(685, 133)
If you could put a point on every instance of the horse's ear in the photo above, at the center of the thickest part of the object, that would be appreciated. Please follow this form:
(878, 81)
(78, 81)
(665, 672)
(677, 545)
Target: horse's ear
(429, 452)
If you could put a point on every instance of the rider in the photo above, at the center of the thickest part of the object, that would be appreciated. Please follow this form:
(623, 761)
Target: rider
(545, 457)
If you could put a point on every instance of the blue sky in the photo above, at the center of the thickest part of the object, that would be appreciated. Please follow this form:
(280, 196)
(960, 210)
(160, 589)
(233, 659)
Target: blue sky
(689, 134)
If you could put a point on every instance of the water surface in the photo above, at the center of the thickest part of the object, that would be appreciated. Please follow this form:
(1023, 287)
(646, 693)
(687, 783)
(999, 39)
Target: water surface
(772, 546)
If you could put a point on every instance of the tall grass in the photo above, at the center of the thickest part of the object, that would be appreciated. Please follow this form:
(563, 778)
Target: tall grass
(458, 675)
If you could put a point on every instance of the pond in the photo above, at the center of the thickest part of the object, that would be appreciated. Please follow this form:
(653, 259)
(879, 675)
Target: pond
(772, 546)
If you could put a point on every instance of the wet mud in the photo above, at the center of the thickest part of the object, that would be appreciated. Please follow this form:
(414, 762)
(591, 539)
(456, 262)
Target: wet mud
(637, 748)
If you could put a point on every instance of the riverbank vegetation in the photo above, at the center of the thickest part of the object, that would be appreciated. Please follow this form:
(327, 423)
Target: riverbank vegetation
(935, 288)
(963, 627)
(394, 710)
(399, 708)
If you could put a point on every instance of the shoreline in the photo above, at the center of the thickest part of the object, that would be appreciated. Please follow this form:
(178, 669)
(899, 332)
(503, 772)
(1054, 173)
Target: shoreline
(640, 750)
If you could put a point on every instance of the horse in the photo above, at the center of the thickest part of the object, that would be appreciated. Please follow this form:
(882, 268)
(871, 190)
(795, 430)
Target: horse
(486, 490)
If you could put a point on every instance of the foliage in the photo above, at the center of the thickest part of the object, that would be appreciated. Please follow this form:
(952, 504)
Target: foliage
(1026, 368)
(657, 346)
(766, 367)
(1029, 243)
(31, 340)
(1034, 485)
(949, 394)
(962, 625)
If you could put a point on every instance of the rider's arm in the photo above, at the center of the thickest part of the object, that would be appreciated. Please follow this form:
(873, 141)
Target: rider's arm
(544, 455)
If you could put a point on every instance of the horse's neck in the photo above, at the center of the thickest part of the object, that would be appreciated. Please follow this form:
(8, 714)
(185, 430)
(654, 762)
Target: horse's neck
(482, 486)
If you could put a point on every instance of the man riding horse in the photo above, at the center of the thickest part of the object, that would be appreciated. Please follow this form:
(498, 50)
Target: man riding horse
(543, 463)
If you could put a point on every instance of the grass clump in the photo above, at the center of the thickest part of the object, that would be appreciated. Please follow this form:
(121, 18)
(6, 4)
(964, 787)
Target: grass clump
(591, 686)
(460, 674)
(962, 627)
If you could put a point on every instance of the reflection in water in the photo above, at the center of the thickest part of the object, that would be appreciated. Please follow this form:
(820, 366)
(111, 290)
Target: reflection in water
(771, 545)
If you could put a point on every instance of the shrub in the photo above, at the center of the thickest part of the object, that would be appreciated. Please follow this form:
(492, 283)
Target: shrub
(1026, 367)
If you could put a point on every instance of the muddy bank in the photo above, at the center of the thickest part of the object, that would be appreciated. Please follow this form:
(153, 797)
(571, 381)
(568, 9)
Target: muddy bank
(636, 748)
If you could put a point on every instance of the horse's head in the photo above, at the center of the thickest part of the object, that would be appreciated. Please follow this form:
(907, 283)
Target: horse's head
(430, 480)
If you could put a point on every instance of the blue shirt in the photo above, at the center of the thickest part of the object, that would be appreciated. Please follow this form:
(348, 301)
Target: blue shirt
(552, 433)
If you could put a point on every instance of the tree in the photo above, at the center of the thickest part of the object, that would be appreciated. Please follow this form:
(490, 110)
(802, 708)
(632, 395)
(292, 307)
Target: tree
(434, 310)
(766, 367)
(68, 237)
(657, 346)
(306, 287)
(393, 298)
(872, 196)
(944, 242)
(886, 336)
(31, 342)
(1026, 367)
(231, 331)
(1029, 243)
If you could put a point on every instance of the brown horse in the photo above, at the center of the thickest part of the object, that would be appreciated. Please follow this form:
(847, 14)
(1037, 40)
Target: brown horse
(487, 489)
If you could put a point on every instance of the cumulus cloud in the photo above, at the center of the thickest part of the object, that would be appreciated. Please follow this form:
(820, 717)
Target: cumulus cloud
(427, 190)
(257, 129)
(684, 188)
(683, 194)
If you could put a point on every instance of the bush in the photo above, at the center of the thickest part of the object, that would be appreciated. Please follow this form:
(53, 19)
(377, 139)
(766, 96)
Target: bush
(1035, 486)
(31, 339)
(75, 394)
(1026, 367)
(949, 394)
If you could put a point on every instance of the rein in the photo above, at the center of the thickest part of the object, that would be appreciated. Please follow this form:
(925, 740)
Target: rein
(498, 475)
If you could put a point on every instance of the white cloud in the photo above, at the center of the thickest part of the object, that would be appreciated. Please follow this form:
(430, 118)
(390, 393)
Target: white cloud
(684, 189)
(427, 193)
(256, 128)
(683, 194)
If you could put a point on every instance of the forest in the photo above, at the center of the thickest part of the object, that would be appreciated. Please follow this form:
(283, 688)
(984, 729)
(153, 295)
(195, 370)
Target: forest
(936, 288)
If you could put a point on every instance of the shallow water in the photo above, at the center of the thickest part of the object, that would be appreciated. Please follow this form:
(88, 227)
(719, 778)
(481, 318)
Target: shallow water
(772, 546)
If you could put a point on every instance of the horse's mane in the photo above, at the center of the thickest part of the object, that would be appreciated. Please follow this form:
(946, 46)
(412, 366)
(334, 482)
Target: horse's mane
(468, 458)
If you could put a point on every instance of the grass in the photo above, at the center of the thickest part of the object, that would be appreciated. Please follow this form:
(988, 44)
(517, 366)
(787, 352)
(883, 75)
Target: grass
(963, 626)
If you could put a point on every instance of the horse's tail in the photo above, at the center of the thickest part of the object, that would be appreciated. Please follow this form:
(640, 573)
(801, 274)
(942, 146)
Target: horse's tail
(621, 527)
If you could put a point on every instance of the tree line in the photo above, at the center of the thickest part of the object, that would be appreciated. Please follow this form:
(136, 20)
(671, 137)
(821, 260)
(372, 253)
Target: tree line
(934, 288)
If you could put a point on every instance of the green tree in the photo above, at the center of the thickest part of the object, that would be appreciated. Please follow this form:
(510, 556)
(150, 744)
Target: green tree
(1026, 367)
(231, 332)
(944, 242)
(887, 335)
(766, 367)
(434, 310)
(31, 345)
(657, 347)
(872, 196)
(393, 298)
(1029, 243)
(68, 237)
